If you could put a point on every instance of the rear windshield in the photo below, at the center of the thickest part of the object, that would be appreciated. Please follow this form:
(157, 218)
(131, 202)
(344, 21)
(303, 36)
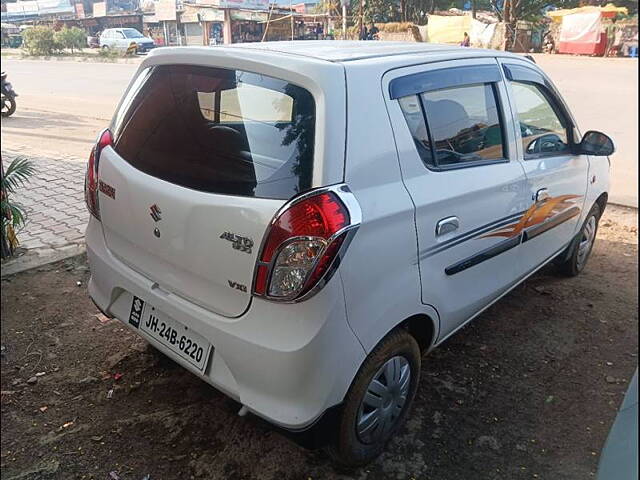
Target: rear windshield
(218, 130)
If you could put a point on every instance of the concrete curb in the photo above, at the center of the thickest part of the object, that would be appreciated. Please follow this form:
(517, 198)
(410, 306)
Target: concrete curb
(33, 259)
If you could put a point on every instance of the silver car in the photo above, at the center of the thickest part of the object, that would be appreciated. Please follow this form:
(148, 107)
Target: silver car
(620, 453)
(123, 38)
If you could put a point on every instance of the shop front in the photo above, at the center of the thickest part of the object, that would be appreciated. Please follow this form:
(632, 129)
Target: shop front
(247, 26)
(202, 25)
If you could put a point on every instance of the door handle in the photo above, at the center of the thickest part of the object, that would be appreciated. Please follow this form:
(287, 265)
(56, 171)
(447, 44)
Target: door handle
(542, 195)
(447, 225)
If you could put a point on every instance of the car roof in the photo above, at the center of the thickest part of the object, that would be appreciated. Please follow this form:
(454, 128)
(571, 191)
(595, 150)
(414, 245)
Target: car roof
(348, 50)
(317, 58)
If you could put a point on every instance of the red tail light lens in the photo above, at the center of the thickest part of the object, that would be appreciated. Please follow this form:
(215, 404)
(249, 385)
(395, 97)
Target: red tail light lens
(91, 178)
(301, 245)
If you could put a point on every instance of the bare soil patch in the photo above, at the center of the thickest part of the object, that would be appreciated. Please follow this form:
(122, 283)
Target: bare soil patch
(528, 390)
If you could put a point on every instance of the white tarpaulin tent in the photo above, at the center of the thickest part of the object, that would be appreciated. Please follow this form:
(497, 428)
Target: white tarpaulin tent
(581, 28)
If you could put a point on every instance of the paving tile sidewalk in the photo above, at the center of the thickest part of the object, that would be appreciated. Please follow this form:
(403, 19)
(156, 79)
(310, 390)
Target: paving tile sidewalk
(54, 202)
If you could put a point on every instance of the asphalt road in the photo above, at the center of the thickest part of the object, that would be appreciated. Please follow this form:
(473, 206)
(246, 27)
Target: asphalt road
(63, 104)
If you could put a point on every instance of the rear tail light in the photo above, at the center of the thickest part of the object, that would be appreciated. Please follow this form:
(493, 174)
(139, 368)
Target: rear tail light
(91, 180)
(303, 243)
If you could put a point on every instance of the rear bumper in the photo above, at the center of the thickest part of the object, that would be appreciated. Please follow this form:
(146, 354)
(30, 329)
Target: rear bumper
(287, 363)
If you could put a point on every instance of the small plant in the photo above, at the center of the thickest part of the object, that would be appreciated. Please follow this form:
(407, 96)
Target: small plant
(40, 41)
(13, 214)
(71, 38)
(108, 53)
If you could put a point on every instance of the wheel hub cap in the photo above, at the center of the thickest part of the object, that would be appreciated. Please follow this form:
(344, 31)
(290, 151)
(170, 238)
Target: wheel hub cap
(383, 400)
(586, 242)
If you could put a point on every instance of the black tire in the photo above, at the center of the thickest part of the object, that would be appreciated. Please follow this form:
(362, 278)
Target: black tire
(574, 261)
(105, 47)
(10, 103)
(348, 448)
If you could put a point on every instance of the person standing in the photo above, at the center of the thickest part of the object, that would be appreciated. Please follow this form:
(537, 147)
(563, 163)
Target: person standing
(611, 30)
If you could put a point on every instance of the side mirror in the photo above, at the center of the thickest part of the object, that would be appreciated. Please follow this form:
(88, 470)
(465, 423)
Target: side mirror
(597, 144)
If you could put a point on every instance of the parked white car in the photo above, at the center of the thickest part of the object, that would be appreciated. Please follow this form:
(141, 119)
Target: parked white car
(297, 223)
(123, 38)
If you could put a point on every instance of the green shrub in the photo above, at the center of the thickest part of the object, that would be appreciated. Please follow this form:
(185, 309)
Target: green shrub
(71, 38)
(40, 41)
(12, 214)
(108, 53)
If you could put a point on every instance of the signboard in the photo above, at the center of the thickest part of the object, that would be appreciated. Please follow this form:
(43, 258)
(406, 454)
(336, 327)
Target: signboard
(122, 6)
(79, 10)
(249, 4)
(249, 16)
(206, 15)
(100, 9)
(166, 10)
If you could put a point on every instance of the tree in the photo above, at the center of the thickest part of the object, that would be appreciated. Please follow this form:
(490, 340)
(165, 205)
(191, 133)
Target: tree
(40, 41)
(382, 11)
(71, 38)
(530, 10)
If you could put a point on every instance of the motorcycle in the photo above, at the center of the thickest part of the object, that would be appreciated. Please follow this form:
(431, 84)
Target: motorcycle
(8, 96)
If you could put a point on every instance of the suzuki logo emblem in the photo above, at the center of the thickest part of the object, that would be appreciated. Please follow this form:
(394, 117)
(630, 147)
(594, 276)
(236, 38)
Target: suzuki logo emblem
(155, 213)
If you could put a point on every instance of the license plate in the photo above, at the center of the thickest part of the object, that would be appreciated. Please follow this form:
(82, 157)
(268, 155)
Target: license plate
(177, 337)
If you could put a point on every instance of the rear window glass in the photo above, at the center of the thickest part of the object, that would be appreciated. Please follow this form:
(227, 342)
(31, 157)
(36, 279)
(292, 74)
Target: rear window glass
(218, 130)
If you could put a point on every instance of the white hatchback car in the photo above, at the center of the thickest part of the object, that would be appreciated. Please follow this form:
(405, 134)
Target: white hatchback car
(297, 223)
(123, 38)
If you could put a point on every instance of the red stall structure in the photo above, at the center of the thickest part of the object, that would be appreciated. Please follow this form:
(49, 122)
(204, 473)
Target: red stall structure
(582, 30)
(582, 34)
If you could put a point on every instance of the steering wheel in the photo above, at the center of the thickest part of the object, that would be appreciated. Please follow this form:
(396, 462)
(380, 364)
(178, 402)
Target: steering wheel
(547, 143)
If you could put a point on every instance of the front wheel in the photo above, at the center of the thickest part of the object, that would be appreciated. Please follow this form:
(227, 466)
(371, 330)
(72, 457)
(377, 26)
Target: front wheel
(8, 106)
(378, 400)
(581, 250)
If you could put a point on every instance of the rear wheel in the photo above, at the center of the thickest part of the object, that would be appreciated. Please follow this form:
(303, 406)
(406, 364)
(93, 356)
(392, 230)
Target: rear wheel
(378, 400)
(8, 106)
(581, 250)
(105, 47)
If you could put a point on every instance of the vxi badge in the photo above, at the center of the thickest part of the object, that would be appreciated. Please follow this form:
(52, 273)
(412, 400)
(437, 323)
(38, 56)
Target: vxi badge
(244, 244)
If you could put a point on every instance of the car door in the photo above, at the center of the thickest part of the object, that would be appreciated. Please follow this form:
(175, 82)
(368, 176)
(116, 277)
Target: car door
(458, 158)
(556, 176)
(120, 40)
(111, 39)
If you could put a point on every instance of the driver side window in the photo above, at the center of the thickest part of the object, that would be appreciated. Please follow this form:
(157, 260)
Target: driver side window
(542, 128)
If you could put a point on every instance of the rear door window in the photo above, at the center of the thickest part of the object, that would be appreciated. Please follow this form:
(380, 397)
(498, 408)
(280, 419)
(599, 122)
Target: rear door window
(456, 126)
(218, 130)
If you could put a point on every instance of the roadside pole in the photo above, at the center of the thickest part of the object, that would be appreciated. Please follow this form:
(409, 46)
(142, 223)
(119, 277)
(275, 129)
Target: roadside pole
(344, 19)
(291, 12)
(266, 28)
(360, 24)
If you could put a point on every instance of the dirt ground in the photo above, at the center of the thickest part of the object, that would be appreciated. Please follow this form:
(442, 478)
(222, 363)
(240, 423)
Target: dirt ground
(527, 391)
